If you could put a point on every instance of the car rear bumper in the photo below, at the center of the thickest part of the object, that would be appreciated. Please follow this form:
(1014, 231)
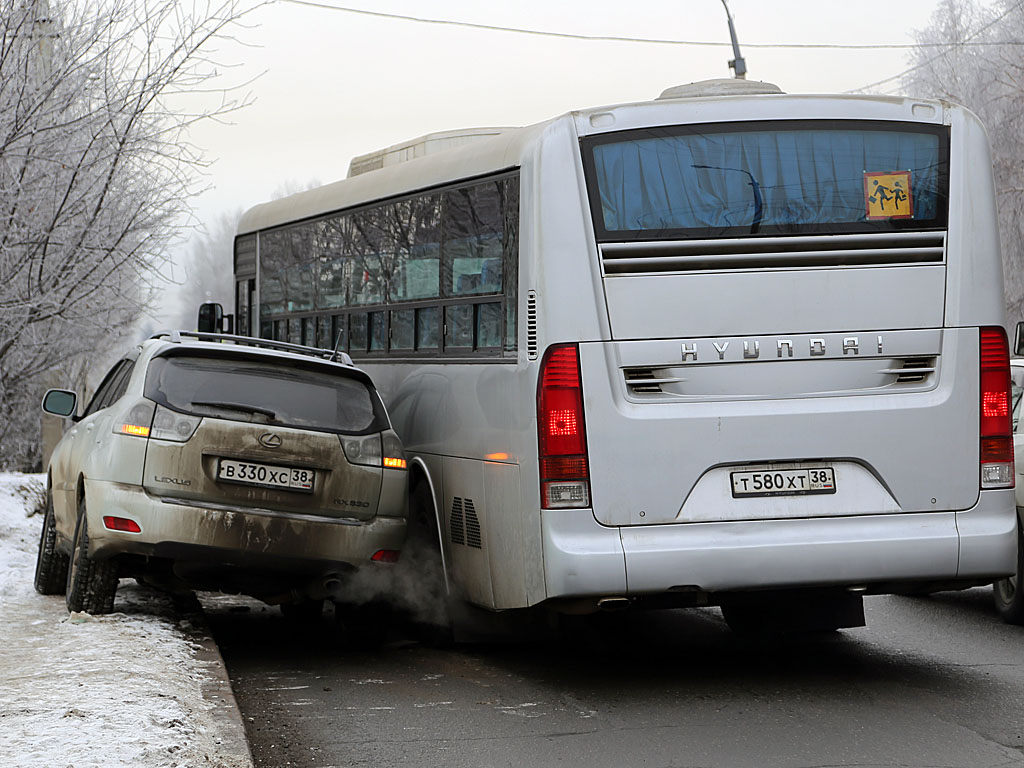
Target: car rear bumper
(880, 552)
(182, 530)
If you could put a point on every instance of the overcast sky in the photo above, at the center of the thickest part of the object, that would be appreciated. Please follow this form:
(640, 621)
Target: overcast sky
(335, 84)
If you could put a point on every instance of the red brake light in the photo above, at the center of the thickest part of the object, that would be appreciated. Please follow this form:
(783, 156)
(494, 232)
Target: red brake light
(995, 425)
(121, 524)
(385, 556)
(564, 473)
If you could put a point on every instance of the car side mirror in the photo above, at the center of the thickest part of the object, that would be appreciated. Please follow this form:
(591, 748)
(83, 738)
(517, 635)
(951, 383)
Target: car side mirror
(1018, 340)
(211, 317)
(60, 402)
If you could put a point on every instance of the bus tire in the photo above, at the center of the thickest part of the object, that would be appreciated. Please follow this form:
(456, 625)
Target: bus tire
(1006, 593)
(51, 565)
(91, 583)
(432, 617)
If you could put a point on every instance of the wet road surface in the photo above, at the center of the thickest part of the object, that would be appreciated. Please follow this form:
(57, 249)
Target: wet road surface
(936, 681)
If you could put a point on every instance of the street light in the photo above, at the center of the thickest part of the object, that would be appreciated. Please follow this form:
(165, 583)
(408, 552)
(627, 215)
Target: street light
(738, 64)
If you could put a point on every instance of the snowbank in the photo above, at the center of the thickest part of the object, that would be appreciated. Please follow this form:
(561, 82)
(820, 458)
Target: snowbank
(119, 690)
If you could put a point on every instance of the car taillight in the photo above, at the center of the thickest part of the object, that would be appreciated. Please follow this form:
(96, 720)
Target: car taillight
(394, 455)
(564, 470)
(995, 424)
(174, 426)
(138, 421)
(364, 450)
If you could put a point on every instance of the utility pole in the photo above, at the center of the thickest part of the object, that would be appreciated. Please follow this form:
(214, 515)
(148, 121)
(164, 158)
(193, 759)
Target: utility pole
(738, 64)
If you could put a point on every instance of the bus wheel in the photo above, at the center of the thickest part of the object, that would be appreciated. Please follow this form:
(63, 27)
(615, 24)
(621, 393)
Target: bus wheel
(429, 609)
(1009, 598)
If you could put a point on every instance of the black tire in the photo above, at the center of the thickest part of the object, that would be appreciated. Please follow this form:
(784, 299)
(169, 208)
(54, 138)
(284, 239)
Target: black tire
(51, 566)
(1008, 593)
(91, 583)
(431, 617)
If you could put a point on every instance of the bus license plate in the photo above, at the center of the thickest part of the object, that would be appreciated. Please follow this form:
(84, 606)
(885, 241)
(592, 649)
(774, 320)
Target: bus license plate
(783, 482)
(266, 475)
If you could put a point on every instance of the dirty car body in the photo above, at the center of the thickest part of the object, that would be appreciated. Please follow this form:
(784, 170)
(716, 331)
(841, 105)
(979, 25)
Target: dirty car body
(225, 463)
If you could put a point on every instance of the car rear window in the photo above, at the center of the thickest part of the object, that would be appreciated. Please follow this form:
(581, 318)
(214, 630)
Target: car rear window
(264, 392)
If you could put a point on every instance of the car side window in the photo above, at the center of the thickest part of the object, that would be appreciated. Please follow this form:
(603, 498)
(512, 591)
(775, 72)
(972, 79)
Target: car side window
(119, 384)
(99, 400)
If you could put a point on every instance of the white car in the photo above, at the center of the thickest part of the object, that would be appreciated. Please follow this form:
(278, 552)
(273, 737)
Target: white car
(223, 463)
(1007, 592)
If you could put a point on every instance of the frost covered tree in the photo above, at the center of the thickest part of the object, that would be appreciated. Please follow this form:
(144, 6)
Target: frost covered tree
(973, 55)
(96, 177)
(208, 272)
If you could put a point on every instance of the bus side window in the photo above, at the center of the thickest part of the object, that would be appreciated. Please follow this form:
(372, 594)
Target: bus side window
(428, 329)
(458, 327)
(358, 332)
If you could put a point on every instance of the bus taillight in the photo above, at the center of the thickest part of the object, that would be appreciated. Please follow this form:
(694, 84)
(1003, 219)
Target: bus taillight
(564, 473)
(996, 426)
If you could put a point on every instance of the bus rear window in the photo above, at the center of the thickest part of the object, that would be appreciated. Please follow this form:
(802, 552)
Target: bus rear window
(727, 180)
(264, 392)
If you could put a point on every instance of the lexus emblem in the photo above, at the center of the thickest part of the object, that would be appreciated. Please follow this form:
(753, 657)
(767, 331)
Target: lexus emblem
(270, 440)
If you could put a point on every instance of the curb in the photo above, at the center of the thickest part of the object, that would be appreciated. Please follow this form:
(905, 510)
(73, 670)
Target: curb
(232, 744)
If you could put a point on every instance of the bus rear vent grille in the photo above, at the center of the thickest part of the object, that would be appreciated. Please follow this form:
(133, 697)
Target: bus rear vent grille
(465, 524)
(914, 369)
(457, 524)
(773, 252)
(641, 381)
(472, 526)
(647, 381)
(531, 325)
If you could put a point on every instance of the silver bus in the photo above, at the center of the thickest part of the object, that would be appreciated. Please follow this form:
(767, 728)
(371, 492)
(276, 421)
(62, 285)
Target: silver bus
(727, 347)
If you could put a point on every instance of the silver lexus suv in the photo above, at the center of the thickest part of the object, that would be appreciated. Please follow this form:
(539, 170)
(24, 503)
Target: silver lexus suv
(208, 461)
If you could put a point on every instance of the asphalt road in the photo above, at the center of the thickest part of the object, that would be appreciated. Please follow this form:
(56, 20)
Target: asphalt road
(932, 682)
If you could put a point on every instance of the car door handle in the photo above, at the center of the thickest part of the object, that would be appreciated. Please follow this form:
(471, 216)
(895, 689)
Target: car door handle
(89, 427)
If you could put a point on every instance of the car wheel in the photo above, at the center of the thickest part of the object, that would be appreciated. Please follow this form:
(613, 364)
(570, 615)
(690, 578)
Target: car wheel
(91, 583)
(51, 566)
(1007, 593)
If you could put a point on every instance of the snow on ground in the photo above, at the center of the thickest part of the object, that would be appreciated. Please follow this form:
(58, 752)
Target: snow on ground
(119, 690)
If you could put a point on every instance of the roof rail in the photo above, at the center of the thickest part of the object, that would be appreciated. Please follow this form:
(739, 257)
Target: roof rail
(176, 337)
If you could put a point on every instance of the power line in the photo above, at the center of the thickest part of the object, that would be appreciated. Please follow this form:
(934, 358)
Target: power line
(615, 38)
(965, 42)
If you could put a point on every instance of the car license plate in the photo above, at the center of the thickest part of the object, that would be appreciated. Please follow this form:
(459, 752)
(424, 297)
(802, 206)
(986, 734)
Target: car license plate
(266, 475)
(783, 482)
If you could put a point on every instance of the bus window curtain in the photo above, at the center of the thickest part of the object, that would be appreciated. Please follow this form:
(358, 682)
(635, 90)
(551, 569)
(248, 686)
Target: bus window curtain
(712, 181)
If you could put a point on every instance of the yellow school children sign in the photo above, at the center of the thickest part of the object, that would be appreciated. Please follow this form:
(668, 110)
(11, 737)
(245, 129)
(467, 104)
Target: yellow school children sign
(887, 195)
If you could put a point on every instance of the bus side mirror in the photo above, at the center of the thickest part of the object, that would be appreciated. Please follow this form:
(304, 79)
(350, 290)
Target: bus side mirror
(1018, 340)
(211, 317)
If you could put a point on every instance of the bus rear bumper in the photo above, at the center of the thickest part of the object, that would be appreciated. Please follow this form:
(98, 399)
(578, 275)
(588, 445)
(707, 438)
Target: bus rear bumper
(880, 552)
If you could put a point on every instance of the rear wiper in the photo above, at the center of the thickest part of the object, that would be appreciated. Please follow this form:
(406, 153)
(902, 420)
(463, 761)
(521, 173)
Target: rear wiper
(238, 407)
